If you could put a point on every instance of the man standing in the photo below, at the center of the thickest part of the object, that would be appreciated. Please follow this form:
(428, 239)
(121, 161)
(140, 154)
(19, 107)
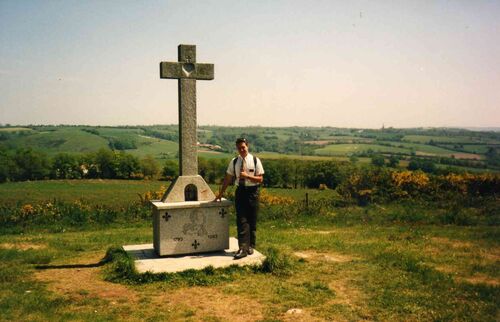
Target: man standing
(247, 172)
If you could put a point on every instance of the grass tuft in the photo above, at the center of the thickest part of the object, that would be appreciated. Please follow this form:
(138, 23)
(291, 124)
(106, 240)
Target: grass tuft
(120, 268)
(277, 263)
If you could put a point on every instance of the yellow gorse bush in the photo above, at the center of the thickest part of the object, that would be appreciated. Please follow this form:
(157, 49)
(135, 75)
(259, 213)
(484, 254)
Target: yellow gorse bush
(268, 199)
(152, 195)
(410, 178)
(27, 210)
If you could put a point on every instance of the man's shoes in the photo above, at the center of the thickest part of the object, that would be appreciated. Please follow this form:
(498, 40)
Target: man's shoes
(250, 250)
(240, 254)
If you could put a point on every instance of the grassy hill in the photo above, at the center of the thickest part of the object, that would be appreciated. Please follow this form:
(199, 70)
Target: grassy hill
(160, 141)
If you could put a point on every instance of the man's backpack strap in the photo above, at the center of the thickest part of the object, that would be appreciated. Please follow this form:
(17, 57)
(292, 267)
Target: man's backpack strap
(234, 167)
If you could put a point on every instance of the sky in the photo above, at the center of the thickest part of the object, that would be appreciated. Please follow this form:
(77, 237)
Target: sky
(277, 63)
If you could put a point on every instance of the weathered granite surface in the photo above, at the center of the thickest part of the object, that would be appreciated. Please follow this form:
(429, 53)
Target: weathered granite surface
(190, 227)
(176, 190)
(187, 220)
(187, 71)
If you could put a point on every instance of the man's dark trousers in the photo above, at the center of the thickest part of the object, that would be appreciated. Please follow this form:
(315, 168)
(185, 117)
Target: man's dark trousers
(247, 206)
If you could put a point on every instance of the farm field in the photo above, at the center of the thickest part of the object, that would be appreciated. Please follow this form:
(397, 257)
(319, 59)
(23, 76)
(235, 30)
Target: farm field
(106, 192)
(274, 156)
(482, 149)
(340, 265)
(471, 148)
(62, 140)
(445, 139)
(15, 129)
(347, 149)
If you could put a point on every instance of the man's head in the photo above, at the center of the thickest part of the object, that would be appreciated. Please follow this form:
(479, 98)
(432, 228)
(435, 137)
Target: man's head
(242, 147)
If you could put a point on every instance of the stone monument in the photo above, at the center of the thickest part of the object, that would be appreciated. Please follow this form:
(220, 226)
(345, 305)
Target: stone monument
(187, 220)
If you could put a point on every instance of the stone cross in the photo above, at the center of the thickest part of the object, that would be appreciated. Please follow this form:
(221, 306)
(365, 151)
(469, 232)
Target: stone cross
(187, 71)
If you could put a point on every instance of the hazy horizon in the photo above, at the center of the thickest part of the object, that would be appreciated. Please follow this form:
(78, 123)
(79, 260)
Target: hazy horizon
(360, 64)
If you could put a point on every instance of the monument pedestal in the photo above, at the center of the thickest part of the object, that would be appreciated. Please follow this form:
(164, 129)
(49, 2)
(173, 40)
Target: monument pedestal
(190, 227)
(146, 259)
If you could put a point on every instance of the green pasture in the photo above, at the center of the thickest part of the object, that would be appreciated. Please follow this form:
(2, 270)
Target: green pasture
(423, 148)
(207, 154)
(445, 139)
(471, 148)
(106, 192)
(158, 148)
(118, 132)
(277, 156)
(15, 129)
(337, 264)
(111, 192)
(70, 140)
(348, 149)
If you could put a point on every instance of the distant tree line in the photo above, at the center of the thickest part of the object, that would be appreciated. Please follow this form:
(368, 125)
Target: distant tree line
(28, 164)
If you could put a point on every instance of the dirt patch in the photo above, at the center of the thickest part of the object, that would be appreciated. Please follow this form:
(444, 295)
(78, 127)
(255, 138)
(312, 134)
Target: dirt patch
(201, 302)
(466, 156)
(319, 142)
(324, 257)
(22, 246)
(211, 302)
(324, 232)
(78, 283)
(424, 154)
(345, 293)
(456, 244)
(482, 279)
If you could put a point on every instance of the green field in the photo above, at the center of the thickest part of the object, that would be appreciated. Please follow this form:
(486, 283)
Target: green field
(471, 148)
(15, 129)
(429, 149)
(348, 149)
(306, 143)
(107, 192)
(69, 140)
(342, 265)
(444, 139)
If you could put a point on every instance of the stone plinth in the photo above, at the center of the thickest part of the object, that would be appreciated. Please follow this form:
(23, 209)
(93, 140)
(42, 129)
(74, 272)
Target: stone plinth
(190, 227)
(146, 260)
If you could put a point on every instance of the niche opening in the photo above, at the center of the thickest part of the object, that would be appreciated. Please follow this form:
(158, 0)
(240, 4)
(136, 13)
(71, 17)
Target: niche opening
(191, 193)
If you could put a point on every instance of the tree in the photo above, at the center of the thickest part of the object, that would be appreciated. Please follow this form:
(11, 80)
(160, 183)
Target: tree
(6, 166)
(170, 170)
(393, 161)
(31, 165)
(65, 166)
(326, 172)
(127, 166)
(378, 160)
(105, 162)
(150, 167)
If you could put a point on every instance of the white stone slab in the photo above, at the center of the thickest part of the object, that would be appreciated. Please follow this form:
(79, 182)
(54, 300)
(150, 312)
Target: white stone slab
(147, 260)
(190, 227)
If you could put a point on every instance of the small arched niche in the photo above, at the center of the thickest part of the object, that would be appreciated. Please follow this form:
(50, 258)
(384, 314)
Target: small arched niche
(190, 193)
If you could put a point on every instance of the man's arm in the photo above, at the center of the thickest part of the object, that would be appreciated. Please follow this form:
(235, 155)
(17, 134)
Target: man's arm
(227, 181)
(256, 179)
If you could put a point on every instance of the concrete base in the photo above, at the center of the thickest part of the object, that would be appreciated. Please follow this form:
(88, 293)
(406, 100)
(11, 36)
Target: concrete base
(190, 227)
(147, 260)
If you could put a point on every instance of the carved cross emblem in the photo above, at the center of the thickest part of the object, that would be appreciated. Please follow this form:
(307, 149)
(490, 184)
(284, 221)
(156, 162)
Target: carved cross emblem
(222, 212)
(195, 244)
(166, 216)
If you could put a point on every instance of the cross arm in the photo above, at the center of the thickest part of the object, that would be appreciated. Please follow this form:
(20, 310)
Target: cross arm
(176, 70)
